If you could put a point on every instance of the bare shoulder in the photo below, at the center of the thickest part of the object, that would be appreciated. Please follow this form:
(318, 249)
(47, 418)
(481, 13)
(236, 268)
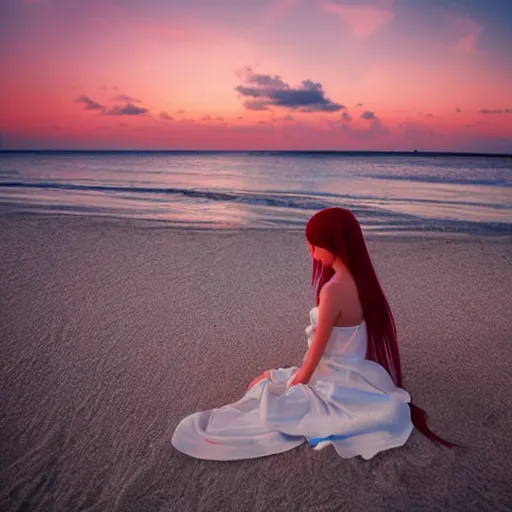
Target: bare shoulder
(343, 292)
(342, 296)
(333, 292)
(335, 289)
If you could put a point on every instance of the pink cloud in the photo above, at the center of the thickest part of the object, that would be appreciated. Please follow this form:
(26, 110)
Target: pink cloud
(362, 20)
(468, 32)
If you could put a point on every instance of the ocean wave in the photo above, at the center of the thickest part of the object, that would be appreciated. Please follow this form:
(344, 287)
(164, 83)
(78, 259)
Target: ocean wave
(311, 201)
(283, 200)
(443, 179)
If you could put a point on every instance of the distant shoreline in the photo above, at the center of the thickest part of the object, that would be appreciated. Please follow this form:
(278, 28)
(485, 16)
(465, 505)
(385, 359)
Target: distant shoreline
(260, 152)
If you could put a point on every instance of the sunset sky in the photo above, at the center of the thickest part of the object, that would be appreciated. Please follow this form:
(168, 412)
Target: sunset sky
(256, 74)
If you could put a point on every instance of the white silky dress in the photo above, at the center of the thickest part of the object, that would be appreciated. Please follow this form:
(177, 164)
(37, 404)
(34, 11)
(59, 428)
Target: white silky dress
(349, 403)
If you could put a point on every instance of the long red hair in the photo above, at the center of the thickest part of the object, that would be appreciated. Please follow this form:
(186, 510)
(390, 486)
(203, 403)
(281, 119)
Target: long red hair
(338, 231)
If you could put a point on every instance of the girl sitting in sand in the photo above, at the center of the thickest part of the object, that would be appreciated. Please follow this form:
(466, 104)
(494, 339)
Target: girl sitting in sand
(347, 393)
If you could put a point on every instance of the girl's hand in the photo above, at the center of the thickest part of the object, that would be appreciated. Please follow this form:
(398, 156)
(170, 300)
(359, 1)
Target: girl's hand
(299, 377)
(257, 379)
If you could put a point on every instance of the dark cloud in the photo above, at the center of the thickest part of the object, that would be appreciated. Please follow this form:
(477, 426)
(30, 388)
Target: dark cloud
(271, 91)
(117, 110)
(359, 105)
(429, 115)
(255, 105)
(166, 116)
(367, 131)
(458, 109)
(369, 116)
(89, 104)
(372, 131)
(496, 111)
(125, 97)
(267, 81)
(125, 110)
(346, 117)
(210, 118)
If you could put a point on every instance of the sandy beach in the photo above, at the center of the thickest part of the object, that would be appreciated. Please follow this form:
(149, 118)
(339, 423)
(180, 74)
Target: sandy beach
(112, 331)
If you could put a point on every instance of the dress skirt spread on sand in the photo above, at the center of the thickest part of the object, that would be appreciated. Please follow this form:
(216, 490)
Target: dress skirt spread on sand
(349, 402)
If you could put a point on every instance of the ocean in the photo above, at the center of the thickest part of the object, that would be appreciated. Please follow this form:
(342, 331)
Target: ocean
(390, 193)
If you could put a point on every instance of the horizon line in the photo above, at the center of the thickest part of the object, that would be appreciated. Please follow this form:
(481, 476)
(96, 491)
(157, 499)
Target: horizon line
(266, 151)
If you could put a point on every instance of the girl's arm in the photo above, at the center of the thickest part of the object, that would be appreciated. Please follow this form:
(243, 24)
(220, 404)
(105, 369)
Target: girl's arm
(328, 312)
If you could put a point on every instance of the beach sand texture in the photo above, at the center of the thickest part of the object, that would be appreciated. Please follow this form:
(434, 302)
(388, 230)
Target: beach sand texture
(112, 331)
